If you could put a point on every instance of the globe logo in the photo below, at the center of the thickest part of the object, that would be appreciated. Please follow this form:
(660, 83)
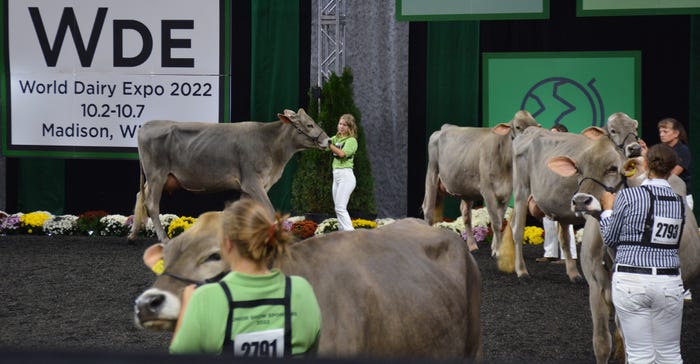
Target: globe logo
(557, 100)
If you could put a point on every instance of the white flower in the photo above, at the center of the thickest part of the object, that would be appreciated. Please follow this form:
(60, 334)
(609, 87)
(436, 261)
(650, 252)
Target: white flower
(114, 225)
(326, 226)
(60, 225)
(456, 226)
(579, 236)
(294, 219)
(165, 221)
(384, 221)
(480, 217)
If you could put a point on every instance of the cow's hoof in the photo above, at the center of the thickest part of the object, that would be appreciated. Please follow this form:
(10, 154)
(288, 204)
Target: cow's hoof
(577, 279)
(524, 279)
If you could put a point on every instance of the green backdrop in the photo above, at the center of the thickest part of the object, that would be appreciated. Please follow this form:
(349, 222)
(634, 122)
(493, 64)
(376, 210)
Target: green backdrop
(452, 79)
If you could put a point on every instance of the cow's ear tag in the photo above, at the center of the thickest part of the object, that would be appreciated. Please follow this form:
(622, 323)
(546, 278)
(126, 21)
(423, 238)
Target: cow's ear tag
(159, 267)
(153, 258)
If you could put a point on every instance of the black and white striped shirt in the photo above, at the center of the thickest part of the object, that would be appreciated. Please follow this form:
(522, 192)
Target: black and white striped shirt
(625, 223)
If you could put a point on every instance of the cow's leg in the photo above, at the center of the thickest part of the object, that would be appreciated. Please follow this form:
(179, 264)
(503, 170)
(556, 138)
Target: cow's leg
(257, 192)
(140, 214)
(466, 208)
(497, 212)
(519, 218)
(565, 246)
(592, 256)
(600, 314)
(431, 194)
(152, 202)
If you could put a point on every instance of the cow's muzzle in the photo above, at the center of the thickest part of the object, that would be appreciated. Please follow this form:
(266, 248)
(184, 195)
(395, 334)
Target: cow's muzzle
(585, 204)
(156, 310)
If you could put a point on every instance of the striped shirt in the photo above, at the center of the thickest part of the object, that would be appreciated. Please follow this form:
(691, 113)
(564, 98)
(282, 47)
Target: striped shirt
(625, 223)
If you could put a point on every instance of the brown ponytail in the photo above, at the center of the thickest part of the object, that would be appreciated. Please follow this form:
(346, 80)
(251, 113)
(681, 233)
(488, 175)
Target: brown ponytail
(258, 235)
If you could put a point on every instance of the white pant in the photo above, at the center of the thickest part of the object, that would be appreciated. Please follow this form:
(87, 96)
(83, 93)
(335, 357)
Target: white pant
(551, 240)
(650, 310)
(343, 185)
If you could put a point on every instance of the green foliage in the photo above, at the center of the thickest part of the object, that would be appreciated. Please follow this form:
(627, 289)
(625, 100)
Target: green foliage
(311, 187)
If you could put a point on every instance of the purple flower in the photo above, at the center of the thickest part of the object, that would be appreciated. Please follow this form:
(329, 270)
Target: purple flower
(480, 233)
(10, 224)
(287, 225)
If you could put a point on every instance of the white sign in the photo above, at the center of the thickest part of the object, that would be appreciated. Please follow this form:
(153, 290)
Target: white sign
(90, 73)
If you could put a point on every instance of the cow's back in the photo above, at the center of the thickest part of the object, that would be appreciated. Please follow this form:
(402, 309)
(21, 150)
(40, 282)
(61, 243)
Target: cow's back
(402, 290)
(459, 151)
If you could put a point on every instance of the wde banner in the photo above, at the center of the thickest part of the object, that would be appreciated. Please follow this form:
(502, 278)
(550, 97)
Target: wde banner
(81, 76)
(576, 89)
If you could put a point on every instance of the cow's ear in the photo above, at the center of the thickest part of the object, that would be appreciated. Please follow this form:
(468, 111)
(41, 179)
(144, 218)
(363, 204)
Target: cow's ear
(501, 129)
(153, 255)
(563, 166)
(594, 132)
(284, 118)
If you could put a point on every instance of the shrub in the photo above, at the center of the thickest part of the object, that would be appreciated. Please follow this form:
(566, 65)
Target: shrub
(89, 223)
(312, 182)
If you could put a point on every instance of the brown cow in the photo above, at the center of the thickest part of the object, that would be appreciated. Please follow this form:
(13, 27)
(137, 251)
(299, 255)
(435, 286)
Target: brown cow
(402, 290)
(209, 157)
(596, 260)
(597, 156)
(473, 164)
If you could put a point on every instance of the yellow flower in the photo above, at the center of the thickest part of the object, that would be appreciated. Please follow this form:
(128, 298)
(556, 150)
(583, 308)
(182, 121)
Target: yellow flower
(363, 224)
(179, 225)
(34, 221)
(533, 235)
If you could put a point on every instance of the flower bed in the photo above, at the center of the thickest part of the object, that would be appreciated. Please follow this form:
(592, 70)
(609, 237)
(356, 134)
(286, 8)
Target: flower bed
(103, 224)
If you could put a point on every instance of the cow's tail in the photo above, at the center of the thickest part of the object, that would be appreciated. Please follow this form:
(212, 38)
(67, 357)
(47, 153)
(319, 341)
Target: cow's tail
(506, 252)
(140, 213)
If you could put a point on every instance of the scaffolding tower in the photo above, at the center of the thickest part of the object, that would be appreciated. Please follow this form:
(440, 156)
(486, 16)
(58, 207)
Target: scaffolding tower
(331, 38)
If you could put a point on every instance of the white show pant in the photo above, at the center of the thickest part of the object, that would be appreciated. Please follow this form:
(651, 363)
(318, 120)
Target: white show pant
(343, 185)
(650, 310)
(551, 240)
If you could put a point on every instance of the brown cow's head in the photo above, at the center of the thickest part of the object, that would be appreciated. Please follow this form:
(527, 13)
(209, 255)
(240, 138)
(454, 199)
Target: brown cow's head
(516, 126)
(622, 130)
(193, 256)
(308, 134)
(601, 168)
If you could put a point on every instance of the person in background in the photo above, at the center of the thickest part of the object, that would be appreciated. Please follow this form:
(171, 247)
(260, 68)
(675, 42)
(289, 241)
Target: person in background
(552, 249)
(672, 133)
(343, 145)
(644, 225)
(253, 311)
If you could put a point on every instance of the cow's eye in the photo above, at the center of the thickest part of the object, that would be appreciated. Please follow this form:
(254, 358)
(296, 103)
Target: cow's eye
(213, 258)
(612, 170)
(309, 126)
(612, 131)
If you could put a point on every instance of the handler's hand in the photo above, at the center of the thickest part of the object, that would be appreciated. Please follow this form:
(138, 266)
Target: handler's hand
(186, 295)
(607, 200)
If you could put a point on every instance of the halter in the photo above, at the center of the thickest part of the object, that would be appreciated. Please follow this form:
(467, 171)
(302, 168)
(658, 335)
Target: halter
(605, 187)
(315, 140)
(621, 146)
(215, 278)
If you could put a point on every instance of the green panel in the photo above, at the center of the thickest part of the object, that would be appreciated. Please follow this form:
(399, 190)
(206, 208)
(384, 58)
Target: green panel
(431, 10)
(577, 89)
(41, 184)
(452, 81)
(636, 7)
(694, 119)
(274, 77)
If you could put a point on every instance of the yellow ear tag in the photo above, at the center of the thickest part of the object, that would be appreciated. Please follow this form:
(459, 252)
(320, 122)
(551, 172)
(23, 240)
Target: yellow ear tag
(159, 267)
(630, 172)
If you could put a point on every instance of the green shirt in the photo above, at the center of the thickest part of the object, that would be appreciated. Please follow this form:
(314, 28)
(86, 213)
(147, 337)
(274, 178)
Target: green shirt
(204, 321)
(349, 146)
